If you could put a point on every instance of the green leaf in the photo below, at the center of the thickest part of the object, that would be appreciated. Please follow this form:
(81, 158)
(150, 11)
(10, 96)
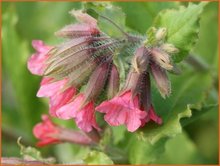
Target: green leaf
(106, 13)
(73, 153)
(207, 45)
(142, 17)
(142, 152)
(197, 113)
(188, 95)
(99, 158)
(24, 85)
(32, 154)
(182, 26)
(39, 14)
(180, 150)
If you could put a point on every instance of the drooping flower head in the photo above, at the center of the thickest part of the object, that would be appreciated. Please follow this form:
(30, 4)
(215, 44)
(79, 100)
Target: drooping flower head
(126, 107)
(76, 71)
(68, 65)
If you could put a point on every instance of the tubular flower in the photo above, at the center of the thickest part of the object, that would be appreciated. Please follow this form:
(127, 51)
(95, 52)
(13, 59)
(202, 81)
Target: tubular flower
(153, 116)
(54, 90)
(86, 27)
(36, 63)
(145, 101)
(82, 107)
(46, 131)
(123, 109)
(84, 115)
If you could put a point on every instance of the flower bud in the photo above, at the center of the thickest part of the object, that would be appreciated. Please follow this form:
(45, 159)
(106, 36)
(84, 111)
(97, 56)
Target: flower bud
(83, 17)
(47, 132)
(80, 74)
(97, 81)
(161, 33)
(64, 65)
(161, 58)
(161, 79)
(133, 82)
(169, 48)
(69, 53)
(141, 60)
(76, 31)
(145, 97)
(113, 82)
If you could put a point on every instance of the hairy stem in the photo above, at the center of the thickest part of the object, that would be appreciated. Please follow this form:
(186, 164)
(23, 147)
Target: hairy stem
(131, 38)
(73, 136)
(197, 63)
(16, 161)
(94, 136)
(113, 23)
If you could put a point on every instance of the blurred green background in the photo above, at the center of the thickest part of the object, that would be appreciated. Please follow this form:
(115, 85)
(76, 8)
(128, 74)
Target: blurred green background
(21, 109)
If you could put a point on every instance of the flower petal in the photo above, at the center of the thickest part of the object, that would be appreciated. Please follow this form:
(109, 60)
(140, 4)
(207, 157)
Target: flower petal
(60, 100)
(36, 63)
(123, 109)
(70, 110)
(49, 88)
(45, 131)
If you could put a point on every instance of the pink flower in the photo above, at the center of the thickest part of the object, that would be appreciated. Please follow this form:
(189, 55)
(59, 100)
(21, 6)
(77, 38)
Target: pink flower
(123, 109)
(86, 27)
(46, 131)
(49, 87)
(36, 63)
(84, 17)
(151, 115)
(54, 90)
(84, 114)
(77, 30)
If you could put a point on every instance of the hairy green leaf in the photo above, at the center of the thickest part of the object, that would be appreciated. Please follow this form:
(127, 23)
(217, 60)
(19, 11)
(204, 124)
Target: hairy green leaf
(32, 154)
(180, 150)
(142, 17)
(107, 15)
(187, 95)
(182, 27)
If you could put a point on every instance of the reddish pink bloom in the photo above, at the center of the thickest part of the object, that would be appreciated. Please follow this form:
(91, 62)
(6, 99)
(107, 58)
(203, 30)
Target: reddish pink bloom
(46, 131)
(84, 115)
(49, 87)
(54, 90)
(123, 109)
(77, 30)
(60, 100)
(36, 63)
(84, 17)
(151, 115)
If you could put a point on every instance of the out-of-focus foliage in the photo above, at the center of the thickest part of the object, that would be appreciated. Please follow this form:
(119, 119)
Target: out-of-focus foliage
(194, 92)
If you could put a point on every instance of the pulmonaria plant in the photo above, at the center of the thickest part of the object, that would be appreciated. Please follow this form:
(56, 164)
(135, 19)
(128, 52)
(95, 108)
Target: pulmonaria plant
(76, 73)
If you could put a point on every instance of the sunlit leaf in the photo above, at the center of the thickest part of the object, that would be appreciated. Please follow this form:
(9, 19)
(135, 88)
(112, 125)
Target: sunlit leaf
(182, 27)
(99, 158)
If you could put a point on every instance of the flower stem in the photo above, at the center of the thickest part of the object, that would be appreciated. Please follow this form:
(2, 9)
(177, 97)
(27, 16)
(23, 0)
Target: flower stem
(73, 136)
(131, 38)
(197, 63)
(16, 161)
(94, 136)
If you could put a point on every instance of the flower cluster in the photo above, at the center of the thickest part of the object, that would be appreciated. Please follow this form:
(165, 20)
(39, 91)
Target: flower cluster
(76, 71)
